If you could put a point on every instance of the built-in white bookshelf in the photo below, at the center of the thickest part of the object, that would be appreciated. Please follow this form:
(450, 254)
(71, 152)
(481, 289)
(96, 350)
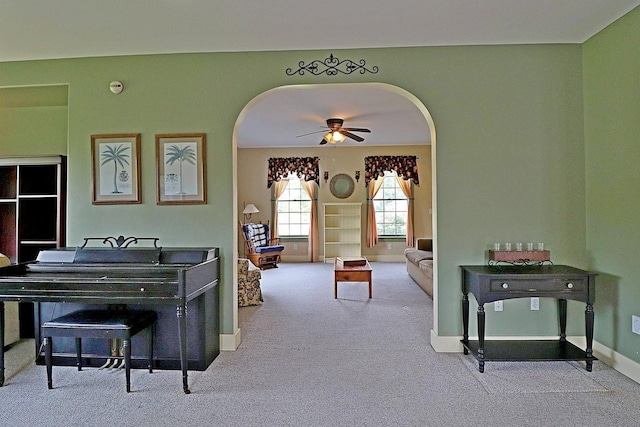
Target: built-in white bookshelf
(342, 230)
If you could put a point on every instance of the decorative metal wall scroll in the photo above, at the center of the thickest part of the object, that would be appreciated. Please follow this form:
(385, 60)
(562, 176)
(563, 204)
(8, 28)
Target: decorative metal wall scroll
(332, 66)
(120, 242)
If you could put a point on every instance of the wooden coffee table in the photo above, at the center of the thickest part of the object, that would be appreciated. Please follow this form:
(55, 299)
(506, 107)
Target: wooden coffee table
(357, 273)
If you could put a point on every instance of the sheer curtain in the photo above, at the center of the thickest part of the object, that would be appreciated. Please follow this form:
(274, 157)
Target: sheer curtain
(372, 230)
(278, 189)
(407, 190)
(310, 188)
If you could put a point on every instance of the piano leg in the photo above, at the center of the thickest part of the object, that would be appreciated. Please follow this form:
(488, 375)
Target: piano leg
(1, 343)
(181, 312)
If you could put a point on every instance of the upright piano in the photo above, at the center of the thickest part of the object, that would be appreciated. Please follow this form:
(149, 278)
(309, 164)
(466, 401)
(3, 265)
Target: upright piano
(180, 284)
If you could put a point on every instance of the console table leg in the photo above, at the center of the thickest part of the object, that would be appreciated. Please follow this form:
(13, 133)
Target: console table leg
(562, 314)
(481, 321)
(182, 335)
(465, 320)
(588, 321)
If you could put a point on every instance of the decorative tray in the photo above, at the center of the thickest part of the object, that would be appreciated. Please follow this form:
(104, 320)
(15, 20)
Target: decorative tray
(519, 257)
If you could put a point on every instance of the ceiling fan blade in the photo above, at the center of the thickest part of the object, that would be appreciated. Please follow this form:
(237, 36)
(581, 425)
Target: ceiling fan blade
(324, 141)
(311, 133)
(357, 130)
(351, 135)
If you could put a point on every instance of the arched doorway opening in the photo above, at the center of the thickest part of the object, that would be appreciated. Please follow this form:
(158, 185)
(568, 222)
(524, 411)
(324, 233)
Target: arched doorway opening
(278, 109)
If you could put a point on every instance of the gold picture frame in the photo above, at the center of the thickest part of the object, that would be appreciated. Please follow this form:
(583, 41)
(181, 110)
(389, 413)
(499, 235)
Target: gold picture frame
(181, 169)
(115, 169)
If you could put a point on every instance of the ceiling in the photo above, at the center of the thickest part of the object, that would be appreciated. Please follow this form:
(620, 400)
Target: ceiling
(295, 116)
(45, 29)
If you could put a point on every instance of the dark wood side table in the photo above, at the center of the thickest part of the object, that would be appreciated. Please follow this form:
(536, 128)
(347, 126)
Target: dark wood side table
(494, 283)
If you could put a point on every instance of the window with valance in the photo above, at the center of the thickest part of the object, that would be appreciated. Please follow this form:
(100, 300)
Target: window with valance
(406, 167)
(406, 171)
(305, 168)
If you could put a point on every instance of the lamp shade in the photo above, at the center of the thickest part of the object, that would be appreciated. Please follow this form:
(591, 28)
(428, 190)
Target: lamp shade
(250, 209)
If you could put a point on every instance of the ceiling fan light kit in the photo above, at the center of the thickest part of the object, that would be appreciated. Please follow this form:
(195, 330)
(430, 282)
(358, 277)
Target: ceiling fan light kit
(333, 137)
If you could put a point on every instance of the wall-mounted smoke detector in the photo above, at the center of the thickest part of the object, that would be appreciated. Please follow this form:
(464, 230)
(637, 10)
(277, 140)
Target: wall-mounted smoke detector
(116, 87)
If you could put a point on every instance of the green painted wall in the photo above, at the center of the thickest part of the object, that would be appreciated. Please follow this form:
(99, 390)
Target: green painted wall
(510, 147)
(33, 131)
(612, 126)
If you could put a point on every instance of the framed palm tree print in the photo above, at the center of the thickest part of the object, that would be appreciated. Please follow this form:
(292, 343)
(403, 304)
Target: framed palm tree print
(115, 168)
(181, 167)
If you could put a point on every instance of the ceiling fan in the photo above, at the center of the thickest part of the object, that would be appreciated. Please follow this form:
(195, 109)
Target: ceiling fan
(337, 133)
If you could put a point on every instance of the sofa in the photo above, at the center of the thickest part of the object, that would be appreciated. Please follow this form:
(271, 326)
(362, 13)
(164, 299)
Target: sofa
(249, 292)
(420, 264)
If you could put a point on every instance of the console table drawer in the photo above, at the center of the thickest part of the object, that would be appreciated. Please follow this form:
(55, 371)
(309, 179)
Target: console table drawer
(555, 285)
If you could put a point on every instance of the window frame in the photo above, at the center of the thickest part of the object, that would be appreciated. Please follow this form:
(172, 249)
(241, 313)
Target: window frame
(304, 197)
(399, 196)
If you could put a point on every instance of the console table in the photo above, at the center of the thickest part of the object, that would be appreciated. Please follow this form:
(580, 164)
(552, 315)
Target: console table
(495, 283)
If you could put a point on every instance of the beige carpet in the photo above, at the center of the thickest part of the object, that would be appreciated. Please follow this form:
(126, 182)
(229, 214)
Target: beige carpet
(534, 377)
(308, 360)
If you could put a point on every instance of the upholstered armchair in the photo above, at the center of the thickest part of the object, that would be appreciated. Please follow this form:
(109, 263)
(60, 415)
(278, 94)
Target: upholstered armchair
(263, 251)
(249, 292)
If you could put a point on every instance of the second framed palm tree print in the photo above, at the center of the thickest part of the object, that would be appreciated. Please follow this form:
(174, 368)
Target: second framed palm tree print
(181, 167)
(115, 164)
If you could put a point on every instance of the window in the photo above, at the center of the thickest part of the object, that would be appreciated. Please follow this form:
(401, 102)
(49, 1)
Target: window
(294, 210)
(392, 208)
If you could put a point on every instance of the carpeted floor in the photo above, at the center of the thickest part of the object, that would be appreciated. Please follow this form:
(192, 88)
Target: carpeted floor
(534, 377)
(308, 359)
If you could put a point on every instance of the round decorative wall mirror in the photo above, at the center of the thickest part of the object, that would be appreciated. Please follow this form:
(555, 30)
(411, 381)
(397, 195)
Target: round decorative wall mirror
(341, 186)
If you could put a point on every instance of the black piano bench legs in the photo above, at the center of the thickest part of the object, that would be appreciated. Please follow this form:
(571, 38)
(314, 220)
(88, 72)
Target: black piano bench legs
(116, 324)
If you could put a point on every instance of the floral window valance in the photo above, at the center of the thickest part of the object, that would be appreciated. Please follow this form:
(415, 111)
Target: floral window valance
(405, 166)
(306, 168)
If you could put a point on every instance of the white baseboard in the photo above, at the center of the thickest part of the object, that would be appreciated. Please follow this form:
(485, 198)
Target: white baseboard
(622, 364)
(230, 342)
(294, 258)
(386, 258)
(373, 258)
(617, 361)
(445, 344)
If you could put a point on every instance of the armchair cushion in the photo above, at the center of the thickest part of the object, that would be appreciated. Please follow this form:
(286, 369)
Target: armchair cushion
(257, 233)
(265, 249)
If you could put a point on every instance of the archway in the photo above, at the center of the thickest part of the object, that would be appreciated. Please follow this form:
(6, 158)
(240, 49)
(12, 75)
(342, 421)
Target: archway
(381, 88)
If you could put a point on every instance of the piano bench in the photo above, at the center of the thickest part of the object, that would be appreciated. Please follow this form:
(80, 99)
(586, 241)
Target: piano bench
(116, 324)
